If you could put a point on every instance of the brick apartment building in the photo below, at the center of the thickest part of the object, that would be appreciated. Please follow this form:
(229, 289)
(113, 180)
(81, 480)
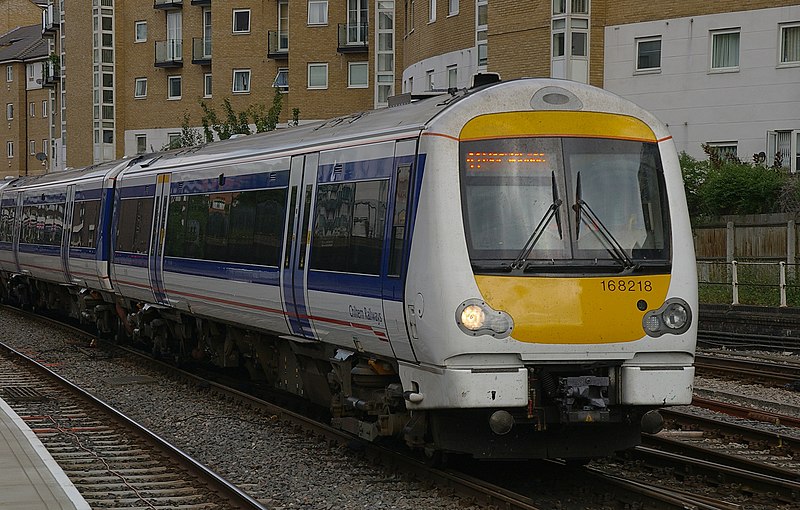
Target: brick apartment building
(130, 71)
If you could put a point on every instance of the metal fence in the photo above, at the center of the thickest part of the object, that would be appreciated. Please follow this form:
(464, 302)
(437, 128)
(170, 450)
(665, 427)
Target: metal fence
(760, 283)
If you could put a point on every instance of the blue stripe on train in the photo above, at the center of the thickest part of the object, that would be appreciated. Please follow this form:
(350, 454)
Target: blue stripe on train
(276, 179)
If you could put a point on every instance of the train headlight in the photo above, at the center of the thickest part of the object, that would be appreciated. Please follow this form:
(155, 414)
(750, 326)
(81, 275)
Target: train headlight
(475, 317)
(674, 317)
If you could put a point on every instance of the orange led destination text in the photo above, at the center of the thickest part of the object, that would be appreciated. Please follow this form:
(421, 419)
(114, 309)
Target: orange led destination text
(475, 159)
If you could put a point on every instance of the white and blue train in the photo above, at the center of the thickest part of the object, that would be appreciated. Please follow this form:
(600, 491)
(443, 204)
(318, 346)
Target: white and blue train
(505, 272)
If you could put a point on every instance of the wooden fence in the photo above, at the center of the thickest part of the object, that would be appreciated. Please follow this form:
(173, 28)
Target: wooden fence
(759, 237)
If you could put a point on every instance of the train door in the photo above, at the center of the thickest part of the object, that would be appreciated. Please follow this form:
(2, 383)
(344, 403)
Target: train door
(295, 268)
(69, 206)
(397, 245)
(17, 230)
(156, 254)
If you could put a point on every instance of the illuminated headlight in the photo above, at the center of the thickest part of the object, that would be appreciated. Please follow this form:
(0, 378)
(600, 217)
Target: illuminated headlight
(475, 317)
(674, 317)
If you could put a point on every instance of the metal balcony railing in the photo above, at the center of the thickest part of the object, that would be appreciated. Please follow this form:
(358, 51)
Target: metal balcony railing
(49, 25)
(201, 51)
(278, 44)
(201, 2)
(353, 38)
(169, 53)
(167, 4)
(51, 75)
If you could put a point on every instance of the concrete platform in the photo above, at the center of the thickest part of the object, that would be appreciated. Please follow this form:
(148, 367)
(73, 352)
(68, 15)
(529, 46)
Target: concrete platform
(29, 477)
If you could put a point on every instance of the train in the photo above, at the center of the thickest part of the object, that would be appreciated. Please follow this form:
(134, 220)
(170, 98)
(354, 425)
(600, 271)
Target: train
(504, 272)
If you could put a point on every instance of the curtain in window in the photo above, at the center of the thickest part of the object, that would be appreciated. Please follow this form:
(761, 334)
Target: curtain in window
(790, 44)
(241, 81)
(726, 50)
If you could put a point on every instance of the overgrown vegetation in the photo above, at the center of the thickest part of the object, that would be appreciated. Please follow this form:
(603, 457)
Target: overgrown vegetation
(231, 122)
(724, 185)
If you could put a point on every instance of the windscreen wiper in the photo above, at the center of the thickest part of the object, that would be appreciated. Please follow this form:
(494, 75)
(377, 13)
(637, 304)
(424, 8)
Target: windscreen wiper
(600, 230)
(552, 211)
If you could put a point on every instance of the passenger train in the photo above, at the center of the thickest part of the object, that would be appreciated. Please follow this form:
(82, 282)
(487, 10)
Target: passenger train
(505, 271)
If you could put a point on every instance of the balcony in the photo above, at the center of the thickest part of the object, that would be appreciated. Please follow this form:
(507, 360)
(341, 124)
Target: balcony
(168, 5)
(278, 44)
(353, 38)
(51, 74)
(49, 26)
(201, 2)
(201, 51)
(169, 53)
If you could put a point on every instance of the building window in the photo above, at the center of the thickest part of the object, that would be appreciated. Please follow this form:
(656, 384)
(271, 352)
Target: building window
(481, 33)
(790, 43)
(140, 88)
(358, 75)
(9, 111)
(32, 147)
(570, 40)
(9, 73)
(207, 85)
(45, 145)
(174, 87)
(282, 79)
(452, 77)
(317, 12)
(384, 54)
(317, 76)
(725, 50)
(141, 144)
(32, 110)
(648, 54)
(241, 21)
(356, 21)
(452, 8)
(283, 25)
(140, 32)
(10, 149)
(726, 150)
(241, 81)
(410, 8)
(174, 140)
(44, 108)
(431, 11)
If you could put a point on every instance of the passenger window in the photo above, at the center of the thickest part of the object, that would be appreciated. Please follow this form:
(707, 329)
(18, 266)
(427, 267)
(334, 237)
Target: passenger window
(84, 224)
(7, 224)
(135, 222)
(399, 220)
(349, 227)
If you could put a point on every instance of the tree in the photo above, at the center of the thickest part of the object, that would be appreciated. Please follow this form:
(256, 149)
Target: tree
(189, 136)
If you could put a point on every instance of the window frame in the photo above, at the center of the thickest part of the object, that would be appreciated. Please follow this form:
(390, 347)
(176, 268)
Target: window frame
(781, 49)
(350, 83)
(713, 35)
(324, 22)
(725, 147)
(170, 80)
(648, 70)
(32, 109)
(208, 85)
(308, 75)
(136, 26)
(245, 72)
(453, 7)
(9, 73)
(233, 22)
(9, 111)
(45, 109)
(431, 11)
(137, 137)
(10, 149)
(283, 88)
(452, 72)
(136, 83)
(32, 147)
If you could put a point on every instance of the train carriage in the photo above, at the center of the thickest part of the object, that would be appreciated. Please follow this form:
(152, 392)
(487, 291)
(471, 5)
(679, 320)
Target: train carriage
(505, 272)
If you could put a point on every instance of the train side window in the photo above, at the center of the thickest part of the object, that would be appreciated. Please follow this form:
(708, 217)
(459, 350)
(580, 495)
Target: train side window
(175, 242)
(217, 226)
(7, 224)
(135, 221)
(399, 220)
(84, 224)
(256, 227)
(349, 227)
(26, 235)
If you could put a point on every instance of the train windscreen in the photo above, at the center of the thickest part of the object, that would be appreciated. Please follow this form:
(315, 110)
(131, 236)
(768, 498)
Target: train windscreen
(553, 204)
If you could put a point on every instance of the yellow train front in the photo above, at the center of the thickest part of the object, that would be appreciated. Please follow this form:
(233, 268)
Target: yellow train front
(552, 292)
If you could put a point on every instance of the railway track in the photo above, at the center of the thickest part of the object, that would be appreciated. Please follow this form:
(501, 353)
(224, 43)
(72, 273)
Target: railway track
(766, 372)
(112, 461)
(478, 488)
